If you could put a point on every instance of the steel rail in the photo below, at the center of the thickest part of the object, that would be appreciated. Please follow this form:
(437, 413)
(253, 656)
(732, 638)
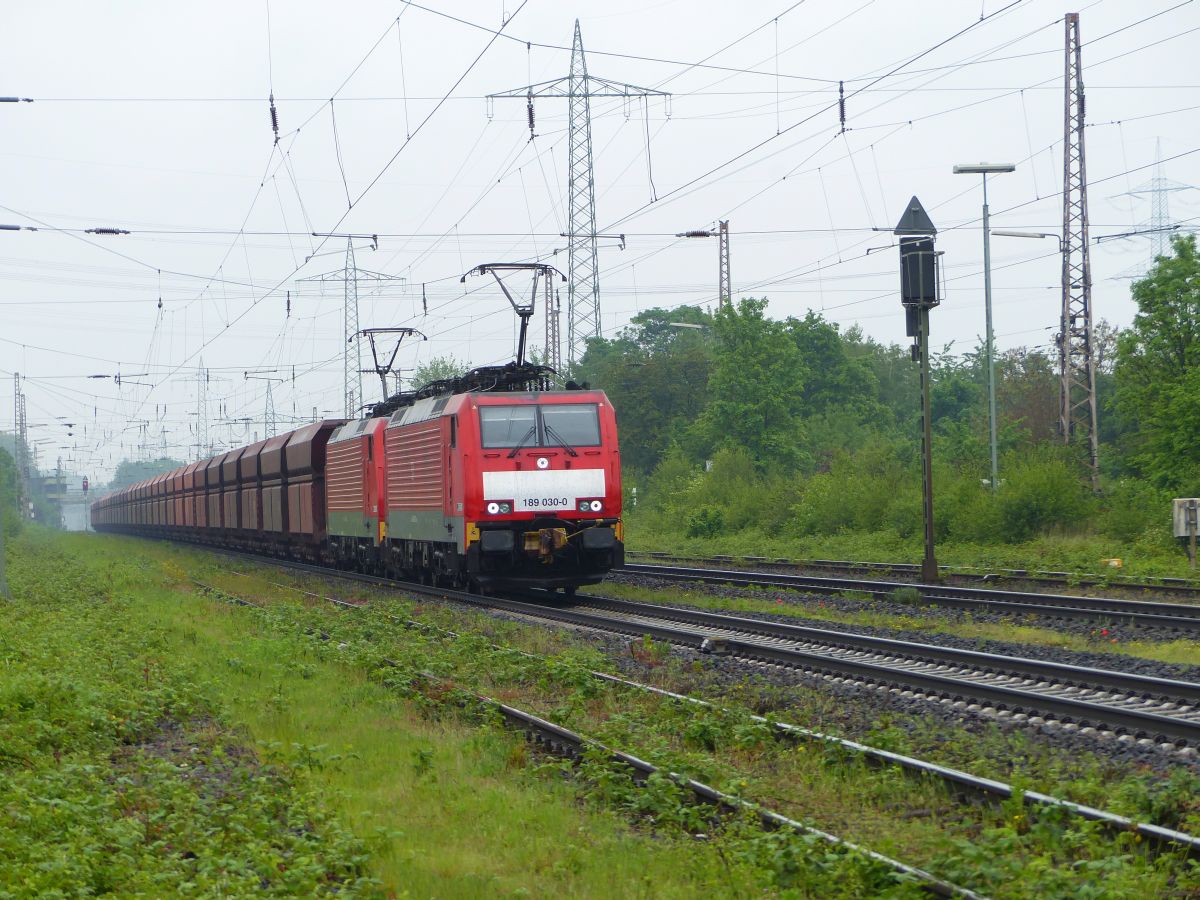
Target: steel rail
(1082, 712)
(1143, 685)
(1179, 616)
(568, 743)
(1167, 585)
(987, 787)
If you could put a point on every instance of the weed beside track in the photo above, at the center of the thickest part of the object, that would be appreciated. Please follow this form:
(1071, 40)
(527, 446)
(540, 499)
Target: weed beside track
(117, 774)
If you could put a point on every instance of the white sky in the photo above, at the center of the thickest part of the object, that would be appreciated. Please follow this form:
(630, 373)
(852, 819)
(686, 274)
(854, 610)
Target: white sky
(153, 117)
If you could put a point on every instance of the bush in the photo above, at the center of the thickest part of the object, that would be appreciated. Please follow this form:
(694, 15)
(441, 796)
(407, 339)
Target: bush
(708, 522)
(1041, 493)
(1131, 508)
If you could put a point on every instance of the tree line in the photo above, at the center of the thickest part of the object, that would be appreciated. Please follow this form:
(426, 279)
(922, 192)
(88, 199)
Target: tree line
(734, 420)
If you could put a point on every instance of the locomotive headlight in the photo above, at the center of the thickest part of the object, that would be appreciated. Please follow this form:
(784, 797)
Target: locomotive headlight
(597, 506)
(505, 508)
(584, 506)
(493, 508)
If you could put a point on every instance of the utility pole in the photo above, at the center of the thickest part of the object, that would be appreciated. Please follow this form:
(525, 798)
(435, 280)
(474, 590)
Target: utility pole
(583, 283)
(986, 169)
(919, 294)
(352, 351)
(724, 288)
(1077, 392)
(553, 346)
(23, 485)
(203, 448)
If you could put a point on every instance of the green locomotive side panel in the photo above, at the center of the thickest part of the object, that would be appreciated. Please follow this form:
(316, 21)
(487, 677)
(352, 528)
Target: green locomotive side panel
(351, 524)
(425, 525)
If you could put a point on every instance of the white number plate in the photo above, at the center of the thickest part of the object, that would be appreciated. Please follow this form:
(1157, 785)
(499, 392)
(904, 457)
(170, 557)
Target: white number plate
(537, 490)
(525, 504)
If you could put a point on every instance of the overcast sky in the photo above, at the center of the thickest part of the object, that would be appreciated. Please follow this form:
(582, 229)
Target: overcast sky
(153, 117)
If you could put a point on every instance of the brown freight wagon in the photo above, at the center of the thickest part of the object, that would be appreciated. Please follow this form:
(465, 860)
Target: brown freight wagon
(212, 493)
(230, 495)
(304, 465)
(188, 499)
(250, 487)
(271, 493)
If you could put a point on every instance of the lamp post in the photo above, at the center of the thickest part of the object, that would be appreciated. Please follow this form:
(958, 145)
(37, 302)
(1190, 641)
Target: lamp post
(986, 169)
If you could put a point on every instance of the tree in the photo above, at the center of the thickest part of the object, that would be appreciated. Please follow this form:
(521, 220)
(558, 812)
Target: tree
(1027, 392)
(756, 392)
(436, 369)
(131, 471)
(1158, 383)
(656, 375)
(835, 377)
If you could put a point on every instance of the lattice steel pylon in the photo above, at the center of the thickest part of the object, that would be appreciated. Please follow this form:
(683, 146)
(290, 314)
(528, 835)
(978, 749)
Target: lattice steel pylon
(724, 285)
(20, 443)
(583, 281)
(583, 275)
(1158, 228)
(349, 277)
(270, 421)
(1077, 400)
(203, 448)
(553, 348)
(352, 351)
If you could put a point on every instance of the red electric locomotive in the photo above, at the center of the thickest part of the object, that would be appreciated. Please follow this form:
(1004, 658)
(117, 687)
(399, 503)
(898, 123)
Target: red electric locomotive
(517, 487)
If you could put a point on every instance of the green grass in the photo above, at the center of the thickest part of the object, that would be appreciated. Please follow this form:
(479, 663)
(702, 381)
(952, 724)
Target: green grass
(115, 774)
(1110, 640)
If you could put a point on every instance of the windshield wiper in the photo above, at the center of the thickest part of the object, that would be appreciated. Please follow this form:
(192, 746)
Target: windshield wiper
(550, 432)
(521, 443)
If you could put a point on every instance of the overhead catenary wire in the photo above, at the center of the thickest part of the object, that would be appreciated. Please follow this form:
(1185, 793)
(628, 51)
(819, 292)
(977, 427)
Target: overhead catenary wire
(462, 232)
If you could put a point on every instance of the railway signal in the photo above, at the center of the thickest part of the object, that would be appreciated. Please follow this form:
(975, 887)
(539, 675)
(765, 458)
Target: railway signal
(919, 294)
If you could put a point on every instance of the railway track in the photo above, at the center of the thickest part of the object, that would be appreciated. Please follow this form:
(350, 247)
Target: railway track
(1180, 587)
(1130, 708)
(1180, 617)
(962, 783)
(1136, 707)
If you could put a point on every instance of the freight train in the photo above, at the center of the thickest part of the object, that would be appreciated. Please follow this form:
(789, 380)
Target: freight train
(489, 480)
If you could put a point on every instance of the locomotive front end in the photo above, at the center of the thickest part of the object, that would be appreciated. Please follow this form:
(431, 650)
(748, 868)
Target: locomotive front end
(543, 489)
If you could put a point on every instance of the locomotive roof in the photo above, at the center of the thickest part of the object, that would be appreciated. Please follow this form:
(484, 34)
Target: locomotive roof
(509, 378)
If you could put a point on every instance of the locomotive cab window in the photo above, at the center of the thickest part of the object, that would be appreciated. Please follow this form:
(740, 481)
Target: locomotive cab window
(543, 425)
(574, 424)
(505, 426)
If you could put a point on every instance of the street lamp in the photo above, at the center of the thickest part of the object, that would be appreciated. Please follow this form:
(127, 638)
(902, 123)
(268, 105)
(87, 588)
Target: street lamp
(986, 169)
